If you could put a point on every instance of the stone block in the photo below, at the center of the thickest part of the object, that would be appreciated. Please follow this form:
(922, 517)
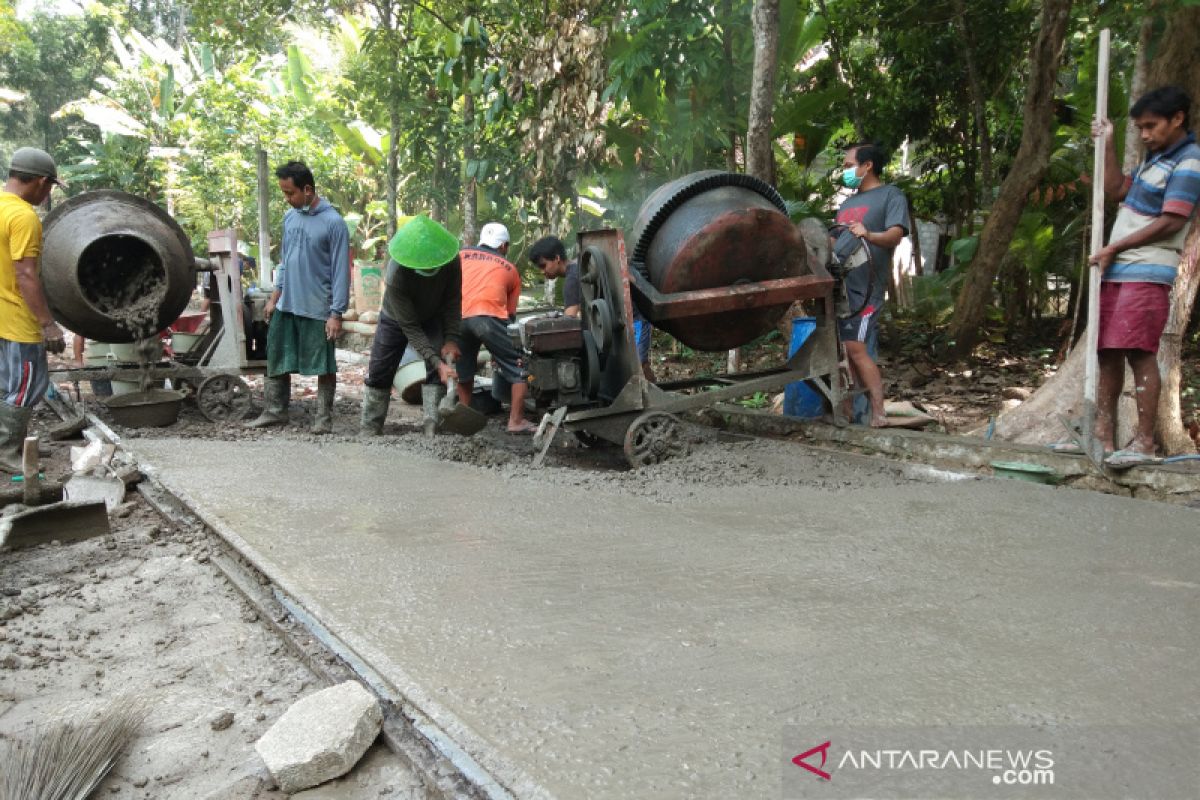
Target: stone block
(321, 736)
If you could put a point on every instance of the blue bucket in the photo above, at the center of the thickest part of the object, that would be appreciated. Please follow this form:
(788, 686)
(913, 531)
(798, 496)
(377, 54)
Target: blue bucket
(800, 399)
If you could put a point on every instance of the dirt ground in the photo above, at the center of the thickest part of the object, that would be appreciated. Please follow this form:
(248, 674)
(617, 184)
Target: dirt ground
(143, 613)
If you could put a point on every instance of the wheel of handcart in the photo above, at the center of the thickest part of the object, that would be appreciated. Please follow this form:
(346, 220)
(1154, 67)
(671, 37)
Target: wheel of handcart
(654, 437)
(223, 398)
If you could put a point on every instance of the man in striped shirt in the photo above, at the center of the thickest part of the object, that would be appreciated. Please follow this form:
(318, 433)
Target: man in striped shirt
(1139, 264)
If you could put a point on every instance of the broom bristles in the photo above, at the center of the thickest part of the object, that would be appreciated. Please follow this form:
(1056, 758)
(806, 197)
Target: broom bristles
(68, 758)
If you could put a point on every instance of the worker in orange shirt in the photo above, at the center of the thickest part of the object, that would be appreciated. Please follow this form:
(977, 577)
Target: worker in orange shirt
(491, 286)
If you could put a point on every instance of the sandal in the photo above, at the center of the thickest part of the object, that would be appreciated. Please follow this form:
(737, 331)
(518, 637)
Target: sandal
(1124, 459)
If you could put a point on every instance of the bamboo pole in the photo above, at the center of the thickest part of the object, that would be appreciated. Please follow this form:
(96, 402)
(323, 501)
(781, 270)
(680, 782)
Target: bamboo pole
(1092, 368)
(264, 223)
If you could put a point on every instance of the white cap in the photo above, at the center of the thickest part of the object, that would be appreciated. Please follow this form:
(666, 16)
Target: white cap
(493, 234)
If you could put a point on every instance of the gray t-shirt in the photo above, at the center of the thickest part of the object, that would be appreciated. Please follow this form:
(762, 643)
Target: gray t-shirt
(572, 293)
(878, 210)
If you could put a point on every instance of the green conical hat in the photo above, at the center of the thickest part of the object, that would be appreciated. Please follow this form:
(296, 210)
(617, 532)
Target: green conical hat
(423, 244)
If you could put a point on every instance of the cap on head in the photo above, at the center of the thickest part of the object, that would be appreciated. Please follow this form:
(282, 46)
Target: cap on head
(33, 161)
(422, 244)
(493, 234)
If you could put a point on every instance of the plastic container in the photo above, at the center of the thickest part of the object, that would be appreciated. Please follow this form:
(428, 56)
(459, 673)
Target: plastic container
(156, 408)
(184, 342)
(409, 377)
(800, 399)
(95, 354)
(127, 353)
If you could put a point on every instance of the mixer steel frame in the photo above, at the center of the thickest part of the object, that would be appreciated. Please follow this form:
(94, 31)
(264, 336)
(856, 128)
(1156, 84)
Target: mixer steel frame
(631, 408)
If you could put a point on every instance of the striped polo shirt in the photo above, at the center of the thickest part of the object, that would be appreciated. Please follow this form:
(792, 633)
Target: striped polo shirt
(1167, 182)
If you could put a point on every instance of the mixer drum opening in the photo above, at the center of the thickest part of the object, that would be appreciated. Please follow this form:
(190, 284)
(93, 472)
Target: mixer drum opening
(123, 277)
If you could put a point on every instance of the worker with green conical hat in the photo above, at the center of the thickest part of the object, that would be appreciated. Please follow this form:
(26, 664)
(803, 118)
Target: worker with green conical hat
(422, 307)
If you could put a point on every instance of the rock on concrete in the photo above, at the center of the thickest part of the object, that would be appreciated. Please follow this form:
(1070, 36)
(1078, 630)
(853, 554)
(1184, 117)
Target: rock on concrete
(321, 737)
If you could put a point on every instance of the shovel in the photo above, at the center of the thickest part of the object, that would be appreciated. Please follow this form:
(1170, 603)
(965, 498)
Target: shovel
(454, 416)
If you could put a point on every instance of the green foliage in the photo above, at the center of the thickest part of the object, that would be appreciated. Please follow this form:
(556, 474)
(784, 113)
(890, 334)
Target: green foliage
(50, 58)
(933, 296)
(757, 400)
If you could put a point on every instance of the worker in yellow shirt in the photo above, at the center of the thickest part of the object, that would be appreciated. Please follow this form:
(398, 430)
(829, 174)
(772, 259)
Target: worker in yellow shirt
(27, 330)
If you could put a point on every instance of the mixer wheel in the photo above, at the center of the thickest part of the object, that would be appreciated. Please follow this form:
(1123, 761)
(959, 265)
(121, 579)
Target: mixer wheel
(653, 438)
(223, 398)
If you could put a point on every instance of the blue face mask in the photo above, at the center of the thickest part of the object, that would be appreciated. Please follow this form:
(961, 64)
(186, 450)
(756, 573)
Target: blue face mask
(850, 178)
(428, 273)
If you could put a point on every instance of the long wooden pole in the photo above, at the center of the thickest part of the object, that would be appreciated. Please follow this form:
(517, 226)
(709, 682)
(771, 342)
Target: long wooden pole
(1092, 368)
(264, 223)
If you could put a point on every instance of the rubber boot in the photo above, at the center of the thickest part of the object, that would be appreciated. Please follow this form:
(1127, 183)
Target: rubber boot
(431, 396)
(277, 394)
(14, 424)
(324, 421)
(374, 410)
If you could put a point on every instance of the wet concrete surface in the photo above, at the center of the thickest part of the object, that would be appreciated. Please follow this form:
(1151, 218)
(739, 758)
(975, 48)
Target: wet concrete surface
(607, 634)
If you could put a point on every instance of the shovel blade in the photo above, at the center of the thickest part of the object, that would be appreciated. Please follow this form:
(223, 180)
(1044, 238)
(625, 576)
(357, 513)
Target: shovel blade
(460, 419)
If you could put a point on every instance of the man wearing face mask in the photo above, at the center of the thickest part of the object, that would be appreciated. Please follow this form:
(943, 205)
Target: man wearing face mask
(422, 308)
(874, 217)
(312, 291)
(27, 330)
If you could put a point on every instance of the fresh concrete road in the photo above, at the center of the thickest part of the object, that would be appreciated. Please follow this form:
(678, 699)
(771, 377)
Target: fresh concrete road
(596, 635)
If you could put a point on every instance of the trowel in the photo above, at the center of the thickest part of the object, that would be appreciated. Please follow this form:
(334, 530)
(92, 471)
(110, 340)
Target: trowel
(453, 416)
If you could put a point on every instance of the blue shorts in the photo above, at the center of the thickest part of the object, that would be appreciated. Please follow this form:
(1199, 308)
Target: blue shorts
(860, 328)
(24, 373)
(641, 334)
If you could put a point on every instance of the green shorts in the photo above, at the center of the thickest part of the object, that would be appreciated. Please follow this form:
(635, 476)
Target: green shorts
(298, 344)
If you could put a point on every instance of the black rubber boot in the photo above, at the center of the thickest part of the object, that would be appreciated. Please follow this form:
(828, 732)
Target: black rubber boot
(324, 421)
(14, 425)
(431, 396)
(277, 395)
(374, 410)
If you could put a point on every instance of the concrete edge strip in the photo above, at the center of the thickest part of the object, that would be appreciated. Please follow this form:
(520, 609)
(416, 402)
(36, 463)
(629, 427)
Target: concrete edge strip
(959, 452)
(428, 717)
(462, 761)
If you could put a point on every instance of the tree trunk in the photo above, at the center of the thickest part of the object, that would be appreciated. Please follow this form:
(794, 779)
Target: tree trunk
(1177, 61)
(1029, 165)
(1171, 432)
(393, 148)
(978, 103)
(1137, 87)
(728, 89)
(760, 155)
(1039, 420)
(470, 230)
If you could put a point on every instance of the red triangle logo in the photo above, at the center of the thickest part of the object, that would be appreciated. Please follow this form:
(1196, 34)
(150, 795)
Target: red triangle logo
(823, 749)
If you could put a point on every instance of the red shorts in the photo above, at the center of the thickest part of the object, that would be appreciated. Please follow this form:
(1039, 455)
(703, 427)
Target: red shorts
(1133, 315)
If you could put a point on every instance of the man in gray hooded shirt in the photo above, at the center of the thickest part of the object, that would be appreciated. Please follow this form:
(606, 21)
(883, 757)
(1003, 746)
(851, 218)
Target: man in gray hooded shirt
(312, 291)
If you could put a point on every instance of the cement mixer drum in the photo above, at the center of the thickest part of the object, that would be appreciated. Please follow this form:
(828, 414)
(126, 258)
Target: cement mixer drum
(710, 230)
(115, 267)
